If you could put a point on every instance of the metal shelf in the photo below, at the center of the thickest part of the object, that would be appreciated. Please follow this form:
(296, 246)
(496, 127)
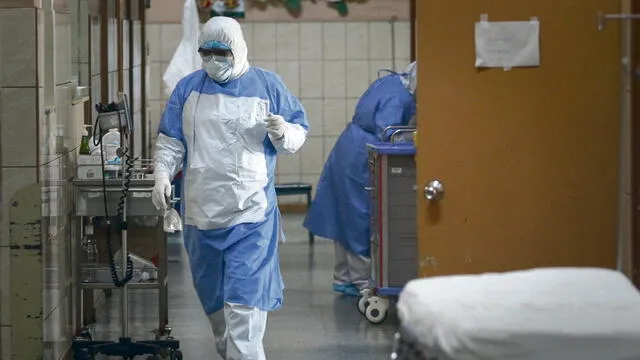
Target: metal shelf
(109, 285)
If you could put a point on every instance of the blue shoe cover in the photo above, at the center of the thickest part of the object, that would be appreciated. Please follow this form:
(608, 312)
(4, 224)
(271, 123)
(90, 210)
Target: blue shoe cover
(341, 288)
(352, 290)
(347, 289)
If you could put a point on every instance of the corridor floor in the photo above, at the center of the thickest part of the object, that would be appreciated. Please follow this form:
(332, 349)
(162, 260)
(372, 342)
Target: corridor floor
(313, 324)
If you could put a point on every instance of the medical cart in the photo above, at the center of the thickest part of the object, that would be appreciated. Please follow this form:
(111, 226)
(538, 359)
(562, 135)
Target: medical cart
(116, 196)
(393, 222)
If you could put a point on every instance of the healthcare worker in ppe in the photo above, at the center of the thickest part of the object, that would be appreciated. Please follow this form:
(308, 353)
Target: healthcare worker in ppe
(341, 207)
(223, 127)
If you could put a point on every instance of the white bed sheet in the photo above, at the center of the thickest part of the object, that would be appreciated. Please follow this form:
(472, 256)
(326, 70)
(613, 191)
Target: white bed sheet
(539, 314)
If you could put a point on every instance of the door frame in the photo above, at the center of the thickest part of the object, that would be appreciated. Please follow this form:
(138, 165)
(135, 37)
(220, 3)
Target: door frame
(635, 145)
(412, 24)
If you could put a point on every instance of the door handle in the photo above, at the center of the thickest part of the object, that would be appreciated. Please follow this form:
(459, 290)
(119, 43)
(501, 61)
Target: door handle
(434, 191)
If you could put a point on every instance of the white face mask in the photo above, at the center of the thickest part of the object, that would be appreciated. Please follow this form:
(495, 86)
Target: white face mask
(219, 68)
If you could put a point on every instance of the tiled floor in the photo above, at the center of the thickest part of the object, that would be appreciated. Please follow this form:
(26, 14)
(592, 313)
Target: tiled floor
(313, 324)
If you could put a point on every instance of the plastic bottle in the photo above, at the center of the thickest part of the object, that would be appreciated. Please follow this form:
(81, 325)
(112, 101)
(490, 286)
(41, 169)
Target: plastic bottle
(110, 146)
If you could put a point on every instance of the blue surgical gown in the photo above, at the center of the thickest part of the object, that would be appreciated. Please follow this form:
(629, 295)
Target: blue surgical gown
(228, 197)
(340, 210)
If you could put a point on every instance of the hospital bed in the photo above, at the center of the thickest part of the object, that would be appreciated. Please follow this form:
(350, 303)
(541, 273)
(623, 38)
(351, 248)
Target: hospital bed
(538, 314)
(393, 222)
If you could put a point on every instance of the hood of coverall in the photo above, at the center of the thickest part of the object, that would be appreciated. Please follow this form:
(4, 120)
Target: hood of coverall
(409, 78)
(229, 32)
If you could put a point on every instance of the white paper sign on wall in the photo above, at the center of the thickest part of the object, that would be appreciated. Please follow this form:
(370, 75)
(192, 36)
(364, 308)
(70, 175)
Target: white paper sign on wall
(507, 44)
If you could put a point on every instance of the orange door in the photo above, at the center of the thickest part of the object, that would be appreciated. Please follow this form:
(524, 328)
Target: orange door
(529, 158)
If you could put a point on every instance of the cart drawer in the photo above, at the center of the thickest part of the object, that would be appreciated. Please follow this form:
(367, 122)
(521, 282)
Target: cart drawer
(403, 262)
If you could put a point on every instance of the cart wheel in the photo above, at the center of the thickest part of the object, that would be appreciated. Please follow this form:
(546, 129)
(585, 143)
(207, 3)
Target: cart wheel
(177, 355)
(363, 304)
(376, 312)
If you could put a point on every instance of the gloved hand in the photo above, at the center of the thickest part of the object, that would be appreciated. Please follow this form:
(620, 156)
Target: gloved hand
(161, 191)
(276, 126)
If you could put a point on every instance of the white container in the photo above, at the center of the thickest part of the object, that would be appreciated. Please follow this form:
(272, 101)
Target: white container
(89, 159)
(89, 167)
(110, 146)
(89, 172)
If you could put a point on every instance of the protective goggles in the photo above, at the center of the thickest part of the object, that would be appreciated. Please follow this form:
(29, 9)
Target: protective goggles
(215, 48)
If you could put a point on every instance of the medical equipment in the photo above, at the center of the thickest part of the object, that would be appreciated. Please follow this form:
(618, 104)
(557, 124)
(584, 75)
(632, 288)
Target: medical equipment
(393, 229)
(127, 189)
(537, 314)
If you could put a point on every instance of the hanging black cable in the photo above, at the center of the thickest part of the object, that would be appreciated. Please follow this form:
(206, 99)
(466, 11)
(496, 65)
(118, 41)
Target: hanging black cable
(117, 281)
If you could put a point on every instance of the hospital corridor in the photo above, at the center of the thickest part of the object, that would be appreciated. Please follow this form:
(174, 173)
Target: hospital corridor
(319, 180)
(315, 324)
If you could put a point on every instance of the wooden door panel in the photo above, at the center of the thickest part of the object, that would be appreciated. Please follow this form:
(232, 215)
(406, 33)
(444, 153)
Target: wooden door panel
(528, 157)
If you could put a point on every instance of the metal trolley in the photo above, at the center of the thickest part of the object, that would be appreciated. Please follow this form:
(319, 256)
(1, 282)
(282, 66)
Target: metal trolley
(393, 229)
(90, 203)
(109, 190)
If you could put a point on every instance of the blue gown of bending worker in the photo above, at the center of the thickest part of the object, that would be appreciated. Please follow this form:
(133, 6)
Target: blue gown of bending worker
(228, 183)
(340, 210)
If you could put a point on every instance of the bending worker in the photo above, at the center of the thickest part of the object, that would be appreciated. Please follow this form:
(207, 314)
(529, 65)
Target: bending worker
(341, 207)
(223, 127)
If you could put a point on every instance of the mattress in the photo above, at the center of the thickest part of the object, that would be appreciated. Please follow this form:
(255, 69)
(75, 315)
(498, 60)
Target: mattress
(538, 314)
